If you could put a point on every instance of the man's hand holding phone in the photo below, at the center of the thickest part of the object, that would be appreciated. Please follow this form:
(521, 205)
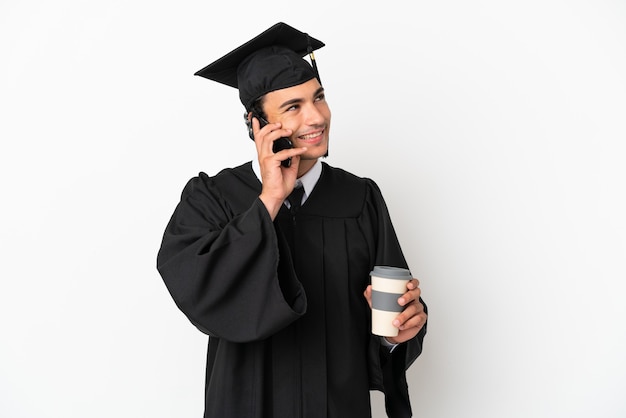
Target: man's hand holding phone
(278, 180)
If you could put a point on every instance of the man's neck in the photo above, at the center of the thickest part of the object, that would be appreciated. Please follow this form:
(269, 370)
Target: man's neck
(305, 166)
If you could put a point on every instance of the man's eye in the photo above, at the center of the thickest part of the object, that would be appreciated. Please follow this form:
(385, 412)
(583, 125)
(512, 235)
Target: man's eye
(320, 98)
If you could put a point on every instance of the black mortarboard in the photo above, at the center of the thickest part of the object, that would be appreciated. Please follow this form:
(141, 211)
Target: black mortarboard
(270, 61)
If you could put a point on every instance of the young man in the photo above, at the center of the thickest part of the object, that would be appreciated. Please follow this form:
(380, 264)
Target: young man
(281, 284)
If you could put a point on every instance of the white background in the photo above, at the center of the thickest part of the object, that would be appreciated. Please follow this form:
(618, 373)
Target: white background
(495, 129)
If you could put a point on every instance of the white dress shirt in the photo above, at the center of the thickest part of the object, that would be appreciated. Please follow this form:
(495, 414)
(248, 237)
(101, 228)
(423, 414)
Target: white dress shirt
(308, 180)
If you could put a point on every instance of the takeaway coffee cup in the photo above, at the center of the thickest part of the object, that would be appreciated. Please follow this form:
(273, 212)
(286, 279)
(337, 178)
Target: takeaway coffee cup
(388, 284)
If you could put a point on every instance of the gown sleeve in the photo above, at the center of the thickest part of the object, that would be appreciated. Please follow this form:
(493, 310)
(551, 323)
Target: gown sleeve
(388, 372)
(221, 267)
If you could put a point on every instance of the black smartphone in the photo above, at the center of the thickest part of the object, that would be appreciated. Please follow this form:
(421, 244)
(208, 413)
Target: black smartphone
(279, 144)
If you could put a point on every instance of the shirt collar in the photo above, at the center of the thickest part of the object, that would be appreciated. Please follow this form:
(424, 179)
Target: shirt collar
(308, 180)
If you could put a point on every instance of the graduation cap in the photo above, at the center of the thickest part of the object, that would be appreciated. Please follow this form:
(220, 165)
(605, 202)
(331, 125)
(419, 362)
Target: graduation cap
(271, 61)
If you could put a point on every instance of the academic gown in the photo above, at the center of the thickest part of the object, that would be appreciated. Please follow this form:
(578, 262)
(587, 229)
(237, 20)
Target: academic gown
(282, 302)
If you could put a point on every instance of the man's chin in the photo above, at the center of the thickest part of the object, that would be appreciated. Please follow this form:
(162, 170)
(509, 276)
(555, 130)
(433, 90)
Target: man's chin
(314, 154)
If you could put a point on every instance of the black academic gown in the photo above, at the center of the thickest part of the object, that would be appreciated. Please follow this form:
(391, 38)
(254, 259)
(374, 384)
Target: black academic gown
(283, 301)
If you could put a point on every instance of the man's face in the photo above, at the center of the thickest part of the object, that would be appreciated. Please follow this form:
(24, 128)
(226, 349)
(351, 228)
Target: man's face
(304, 110)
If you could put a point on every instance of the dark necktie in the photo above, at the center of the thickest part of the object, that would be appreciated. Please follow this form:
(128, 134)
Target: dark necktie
(295, 199)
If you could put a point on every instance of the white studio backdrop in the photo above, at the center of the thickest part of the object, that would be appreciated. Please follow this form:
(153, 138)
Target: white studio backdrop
(495, 129)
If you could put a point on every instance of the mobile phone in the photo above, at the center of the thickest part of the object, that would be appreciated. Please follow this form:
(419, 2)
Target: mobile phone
(279, 144)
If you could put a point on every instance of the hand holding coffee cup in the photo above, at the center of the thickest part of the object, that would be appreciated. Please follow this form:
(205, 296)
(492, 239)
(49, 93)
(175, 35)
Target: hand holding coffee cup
(388, 284)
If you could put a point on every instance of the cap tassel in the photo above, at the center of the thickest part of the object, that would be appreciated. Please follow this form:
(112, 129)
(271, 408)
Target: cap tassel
(312, 57)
